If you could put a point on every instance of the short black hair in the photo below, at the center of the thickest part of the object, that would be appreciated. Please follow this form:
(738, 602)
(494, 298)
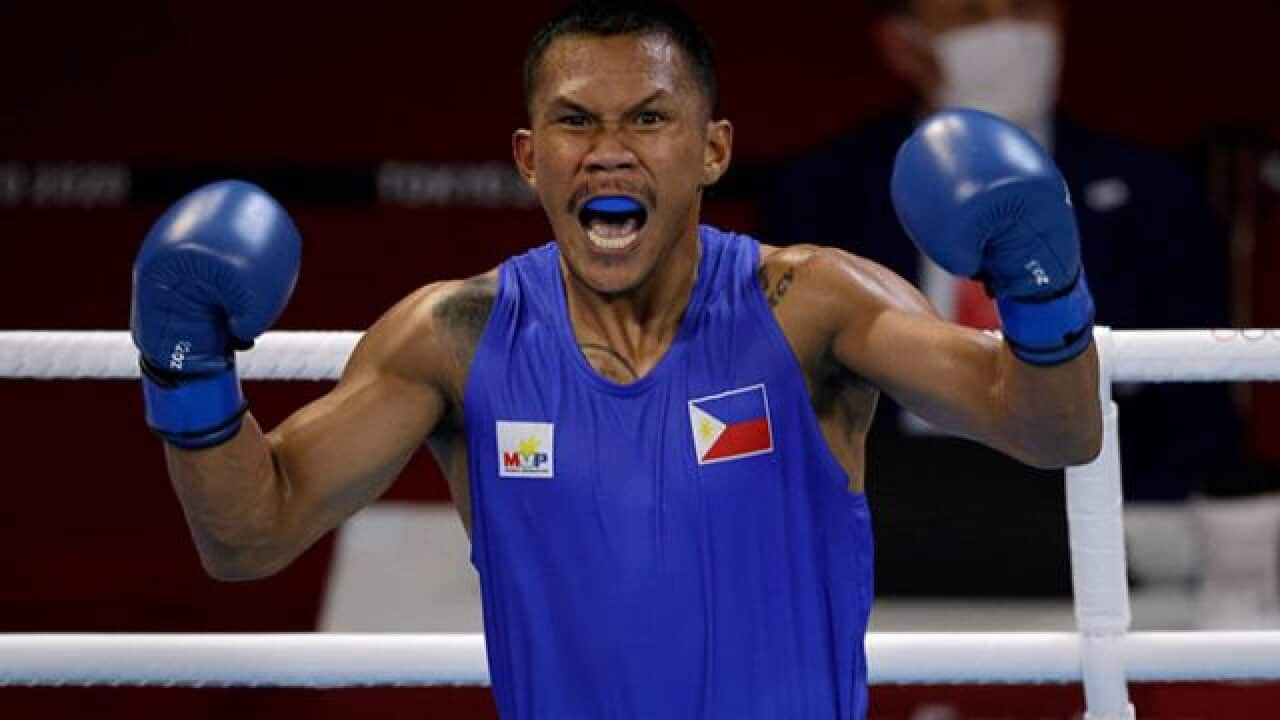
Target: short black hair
(606, 18)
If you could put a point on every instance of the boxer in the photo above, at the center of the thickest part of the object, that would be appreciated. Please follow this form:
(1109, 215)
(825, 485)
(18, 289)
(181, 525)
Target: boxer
(652, 429)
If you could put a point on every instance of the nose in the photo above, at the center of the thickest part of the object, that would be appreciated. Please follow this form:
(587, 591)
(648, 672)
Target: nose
(609, 154)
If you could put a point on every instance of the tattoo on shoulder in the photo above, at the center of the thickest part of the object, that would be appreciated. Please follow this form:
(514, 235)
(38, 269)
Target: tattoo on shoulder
(775, 292)
(465, 312)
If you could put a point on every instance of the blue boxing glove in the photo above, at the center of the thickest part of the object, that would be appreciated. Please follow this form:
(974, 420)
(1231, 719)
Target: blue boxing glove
(214, 272)
(982, 199)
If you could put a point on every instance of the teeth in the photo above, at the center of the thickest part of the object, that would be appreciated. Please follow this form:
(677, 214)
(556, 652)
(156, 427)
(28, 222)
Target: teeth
(608, 243)
(612, 236)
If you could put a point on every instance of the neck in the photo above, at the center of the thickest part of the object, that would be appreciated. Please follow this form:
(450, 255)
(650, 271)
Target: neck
(626, 334)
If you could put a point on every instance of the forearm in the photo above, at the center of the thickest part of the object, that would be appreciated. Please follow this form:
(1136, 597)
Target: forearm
(256, 501)
(972, 384)
(234, 499)
(213, 273)
(984, 200)
(1050, 415)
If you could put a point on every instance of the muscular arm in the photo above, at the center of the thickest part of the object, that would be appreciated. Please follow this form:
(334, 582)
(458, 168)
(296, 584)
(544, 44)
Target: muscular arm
(258, 501)
(964, 381)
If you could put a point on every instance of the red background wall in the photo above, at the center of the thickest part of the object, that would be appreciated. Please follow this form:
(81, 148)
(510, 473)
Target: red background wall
(295, 81)
(93, 538)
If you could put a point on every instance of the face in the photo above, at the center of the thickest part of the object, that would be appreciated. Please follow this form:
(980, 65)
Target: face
(906, 41)
(620, 115)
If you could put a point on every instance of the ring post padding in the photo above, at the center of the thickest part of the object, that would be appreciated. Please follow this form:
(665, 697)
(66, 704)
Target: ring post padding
(1095, 527)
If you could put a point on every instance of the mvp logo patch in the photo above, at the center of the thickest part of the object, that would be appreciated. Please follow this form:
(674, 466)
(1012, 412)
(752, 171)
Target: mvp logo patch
(526, 449)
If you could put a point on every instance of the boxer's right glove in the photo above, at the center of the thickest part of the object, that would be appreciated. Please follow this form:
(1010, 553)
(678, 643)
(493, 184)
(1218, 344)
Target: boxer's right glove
(214, 272)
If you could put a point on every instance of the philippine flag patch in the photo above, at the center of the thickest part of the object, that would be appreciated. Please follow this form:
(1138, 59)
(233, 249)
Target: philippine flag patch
(731, 425)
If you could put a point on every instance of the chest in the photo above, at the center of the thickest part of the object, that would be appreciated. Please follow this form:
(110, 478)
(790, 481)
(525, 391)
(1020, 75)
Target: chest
(556, 427)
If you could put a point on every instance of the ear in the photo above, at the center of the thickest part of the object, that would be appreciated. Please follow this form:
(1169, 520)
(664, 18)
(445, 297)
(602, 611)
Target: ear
(717, 152)
(907, 50)
(522, 151)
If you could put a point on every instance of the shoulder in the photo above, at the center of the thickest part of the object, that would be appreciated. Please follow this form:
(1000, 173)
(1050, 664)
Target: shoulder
(821, 296)
(461, 308)
(833, 279)
(431, 334)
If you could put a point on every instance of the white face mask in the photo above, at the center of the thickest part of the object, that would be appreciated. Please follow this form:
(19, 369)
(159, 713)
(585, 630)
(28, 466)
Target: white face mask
(1006, 67)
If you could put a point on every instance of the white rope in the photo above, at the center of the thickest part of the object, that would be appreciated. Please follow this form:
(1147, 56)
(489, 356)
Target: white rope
(111, 355)
(1140, 355)
(1195, 355)
(363, 660)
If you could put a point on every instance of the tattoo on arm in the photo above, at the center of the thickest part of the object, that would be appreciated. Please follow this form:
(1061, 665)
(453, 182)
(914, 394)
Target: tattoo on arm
(465, 313)
(613, 362)
(774, 295)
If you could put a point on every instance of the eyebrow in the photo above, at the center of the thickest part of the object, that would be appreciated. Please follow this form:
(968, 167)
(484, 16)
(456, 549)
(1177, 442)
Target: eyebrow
(564, 102)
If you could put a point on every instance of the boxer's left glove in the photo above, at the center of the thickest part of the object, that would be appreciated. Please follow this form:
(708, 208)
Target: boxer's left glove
(984, 200)
(214, 272)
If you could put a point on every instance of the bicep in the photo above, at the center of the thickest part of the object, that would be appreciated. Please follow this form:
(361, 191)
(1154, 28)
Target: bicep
(343, 450)
(943, 372)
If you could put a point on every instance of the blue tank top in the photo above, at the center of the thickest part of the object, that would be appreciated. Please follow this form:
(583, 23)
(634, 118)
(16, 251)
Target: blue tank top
(684, 546)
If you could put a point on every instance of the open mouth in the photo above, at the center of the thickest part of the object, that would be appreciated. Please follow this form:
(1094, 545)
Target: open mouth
(612, 222)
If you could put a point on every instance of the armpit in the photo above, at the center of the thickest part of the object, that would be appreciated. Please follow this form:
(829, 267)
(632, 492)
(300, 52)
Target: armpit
(843, 396)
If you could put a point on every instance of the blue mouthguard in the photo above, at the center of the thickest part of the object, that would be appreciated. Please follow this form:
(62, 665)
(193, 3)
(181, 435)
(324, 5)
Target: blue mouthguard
(614, 204)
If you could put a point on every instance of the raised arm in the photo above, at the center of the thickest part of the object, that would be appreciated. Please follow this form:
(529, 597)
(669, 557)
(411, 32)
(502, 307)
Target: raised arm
(258, 501)
(965, 382)
(213, 274)
(983, 200)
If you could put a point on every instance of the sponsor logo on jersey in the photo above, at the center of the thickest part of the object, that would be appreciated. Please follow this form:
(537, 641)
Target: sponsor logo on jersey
(526, 449)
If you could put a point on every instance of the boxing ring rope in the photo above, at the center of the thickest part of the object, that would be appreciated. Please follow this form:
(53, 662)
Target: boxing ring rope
(1103, 655)
(339, 660)
(1138, 356)
(111, 355)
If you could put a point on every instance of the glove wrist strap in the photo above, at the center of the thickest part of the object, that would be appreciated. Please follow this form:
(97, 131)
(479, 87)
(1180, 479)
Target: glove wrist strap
(193, 412)
(1049, 331)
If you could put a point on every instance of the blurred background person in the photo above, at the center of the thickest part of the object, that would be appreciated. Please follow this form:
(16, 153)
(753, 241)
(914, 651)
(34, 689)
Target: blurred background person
(1158, 257)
